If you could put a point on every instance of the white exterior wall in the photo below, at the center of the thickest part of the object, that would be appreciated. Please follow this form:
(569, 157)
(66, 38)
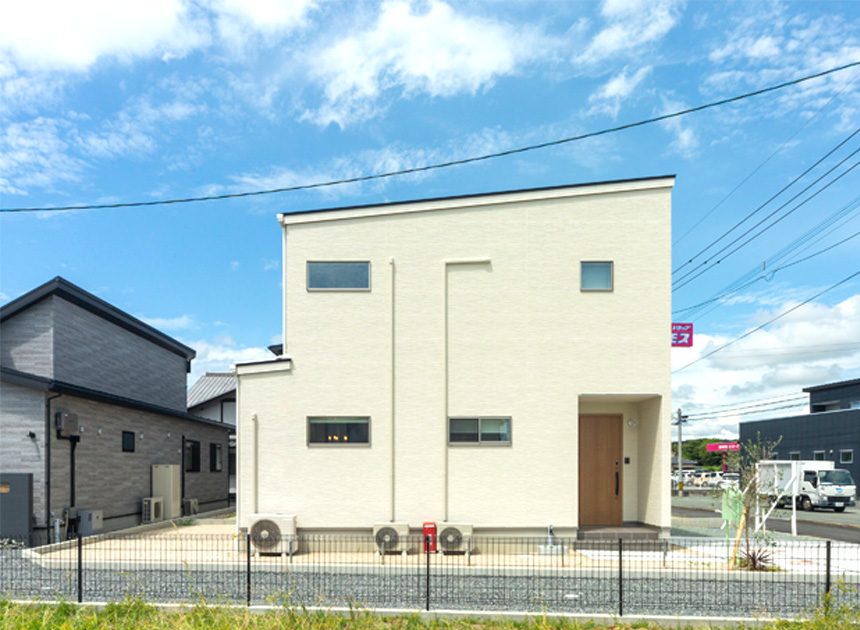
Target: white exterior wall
(513, 336)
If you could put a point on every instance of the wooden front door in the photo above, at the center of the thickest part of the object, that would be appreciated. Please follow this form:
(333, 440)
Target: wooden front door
(600, 470)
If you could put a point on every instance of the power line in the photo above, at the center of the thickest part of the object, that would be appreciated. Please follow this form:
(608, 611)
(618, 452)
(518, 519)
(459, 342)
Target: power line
(769, 322)
(431, 167)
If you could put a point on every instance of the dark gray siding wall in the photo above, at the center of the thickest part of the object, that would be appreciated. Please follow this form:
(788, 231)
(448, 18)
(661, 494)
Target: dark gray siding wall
(26, 340)
(114, 481)
(23, 410)
(92, 352)
(844, 395)
(826, 431)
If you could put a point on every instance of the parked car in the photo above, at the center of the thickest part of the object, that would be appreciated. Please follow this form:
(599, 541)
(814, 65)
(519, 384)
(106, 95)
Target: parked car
(730, 480)
(713, 479)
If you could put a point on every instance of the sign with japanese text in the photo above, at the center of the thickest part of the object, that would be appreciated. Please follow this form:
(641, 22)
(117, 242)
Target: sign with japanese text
(723, 446)
(682, 335)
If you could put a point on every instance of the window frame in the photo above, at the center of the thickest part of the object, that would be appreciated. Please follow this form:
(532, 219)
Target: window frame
(194, 445)
(842, 453)
(794, 456)
(216, 457)
(480, 442)
(609, 289)
(815, 456)
(338, 443)
(124, 435)
(311, 289)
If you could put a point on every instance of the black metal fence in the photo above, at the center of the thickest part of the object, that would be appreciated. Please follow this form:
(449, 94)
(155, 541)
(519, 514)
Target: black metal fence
(690, 576)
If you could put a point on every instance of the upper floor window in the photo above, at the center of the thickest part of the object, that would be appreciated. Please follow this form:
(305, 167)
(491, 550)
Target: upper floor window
(338, 276)
(192, 456)
(846, 456)
(215, 463)
(128, 441)
(794, 455)
(596, 276)
(818, 455)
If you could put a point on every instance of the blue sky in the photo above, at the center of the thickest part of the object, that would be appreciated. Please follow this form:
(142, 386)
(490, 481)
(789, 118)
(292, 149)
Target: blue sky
(106, 102)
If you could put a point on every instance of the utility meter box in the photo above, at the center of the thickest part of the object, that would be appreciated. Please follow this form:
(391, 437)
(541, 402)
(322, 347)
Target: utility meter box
(430, 537)
(90, 522)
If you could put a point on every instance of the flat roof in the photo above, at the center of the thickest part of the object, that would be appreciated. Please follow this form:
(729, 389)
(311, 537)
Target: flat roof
(848, 383)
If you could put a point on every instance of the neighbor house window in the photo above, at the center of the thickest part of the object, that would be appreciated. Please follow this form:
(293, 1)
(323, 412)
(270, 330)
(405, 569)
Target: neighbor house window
(338, 430)
(192, 456)
(818, 456)
(794, 455)
(479, 430)
(846, 457)
(128, 441)
(214, 457)
(855, 404)
(339, 276)
(596, 276)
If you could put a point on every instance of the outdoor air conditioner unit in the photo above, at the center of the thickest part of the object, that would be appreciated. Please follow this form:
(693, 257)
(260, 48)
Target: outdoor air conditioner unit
(391, 537)
(455, 538)
(153, 510)
(66, 422)
(190, 506)
(273, 533)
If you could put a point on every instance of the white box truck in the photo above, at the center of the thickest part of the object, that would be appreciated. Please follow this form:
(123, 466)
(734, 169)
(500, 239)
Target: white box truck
(812, 483)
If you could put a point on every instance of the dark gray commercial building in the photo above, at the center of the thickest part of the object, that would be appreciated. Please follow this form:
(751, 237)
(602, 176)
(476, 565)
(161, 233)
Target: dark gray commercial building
(91, 399)
(830, 432)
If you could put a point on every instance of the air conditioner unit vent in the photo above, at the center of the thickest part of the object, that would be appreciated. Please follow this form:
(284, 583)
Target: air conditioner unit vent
(153, 510)
(190, 506)
(455, 538)
(273, 533)
(391, 537)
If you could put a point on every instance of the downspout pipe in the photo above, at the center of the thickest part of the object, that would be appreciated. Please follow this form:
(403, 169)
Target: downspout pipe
(48, 460)
(392, 401)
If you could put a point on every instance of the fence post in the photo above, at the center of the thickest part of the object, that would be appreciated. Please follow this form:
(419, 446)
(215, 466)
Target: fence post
(827, 573)
(248, 567)
(620, 578)
(427, 553)
(80, 568)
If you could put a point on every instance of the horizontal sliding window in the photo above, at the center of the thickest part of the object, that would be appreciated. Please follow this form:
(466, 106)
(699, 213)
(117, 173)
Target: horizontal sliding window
(479, 430)
(596, 276)
(338, 430)
(338, 276)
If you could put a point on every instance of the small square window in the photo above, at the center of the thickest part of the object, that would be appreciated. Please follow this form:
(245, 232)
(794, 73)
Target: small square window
(192, 456)
(338, 276)
(846, 457)
(818, 456)
(794, 455)
(128, 441)
(215, 464)
(596, 276)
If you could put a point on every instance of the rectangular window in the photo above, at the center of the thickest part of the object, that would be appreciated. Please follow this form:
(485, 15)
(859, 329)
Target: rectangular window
(846, 457)
(128, 441)
(192, 456)
(480, 430)
(596, 276)
(818, 456)
(338, 276)
(794, 455)
(339, 430)
(214, 457)
(855, 404)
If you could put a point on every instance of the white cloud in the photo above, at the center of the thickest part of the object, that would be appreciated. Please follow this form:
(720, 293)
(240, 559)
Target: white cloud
(239, 21)
(269, 265)
(685, 140)
(34, 154)
(436, 52)
(218, 357)
(45, 35)
(815, 344)
(234, 265)
(183, 322)
(608, 99)
(631, 24)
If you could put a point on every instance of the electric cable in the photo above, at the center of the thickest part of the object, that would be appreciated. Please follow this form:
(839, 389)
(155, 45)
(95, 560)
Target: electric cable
(431, 167)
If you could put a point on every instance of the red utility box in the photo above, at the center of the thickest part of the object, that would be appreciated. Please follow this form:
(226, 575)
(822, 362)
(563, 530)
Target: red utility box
(430, 530)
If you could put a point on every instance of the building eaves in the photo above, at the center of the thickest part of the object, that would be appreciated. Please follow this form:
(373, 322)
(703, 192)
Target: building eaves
(64, 289)
(848, 383)
(210, 386)
(431, 203)
(24, 379)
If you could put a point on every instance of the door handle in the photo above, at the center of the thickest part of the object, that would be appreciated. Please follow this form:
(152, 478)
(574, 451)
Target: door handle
(616, 483)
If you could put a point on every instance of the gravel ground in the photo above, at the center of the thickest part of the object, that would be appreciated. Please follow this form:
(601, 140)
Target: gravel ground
(698, 593)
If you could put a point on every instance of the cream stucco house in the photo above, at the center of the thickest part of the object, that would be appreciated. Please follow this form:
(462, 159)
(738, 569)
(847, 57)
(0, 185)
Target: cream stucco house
(496, 360)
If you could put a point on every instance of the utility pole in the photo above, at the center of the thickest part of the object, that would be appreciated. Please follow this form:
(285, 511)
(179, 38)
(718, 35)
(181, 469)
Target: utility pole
(680, 420)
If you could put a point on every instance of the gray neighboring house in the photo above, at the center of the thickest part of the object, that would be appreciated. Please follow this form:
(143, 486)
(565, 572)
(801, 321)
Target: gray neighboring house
(831, 431)
(213, 396)
(68, 356)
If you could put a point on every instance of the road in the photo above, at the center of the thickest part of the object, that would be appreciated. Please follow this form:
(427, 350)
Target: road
(827, 524)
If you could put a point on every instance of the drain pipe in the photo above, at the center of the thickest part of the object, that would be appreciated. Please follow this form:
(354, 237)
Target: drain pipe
(256, 459)
(48, 512)
(392, 402)
(448, 263)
